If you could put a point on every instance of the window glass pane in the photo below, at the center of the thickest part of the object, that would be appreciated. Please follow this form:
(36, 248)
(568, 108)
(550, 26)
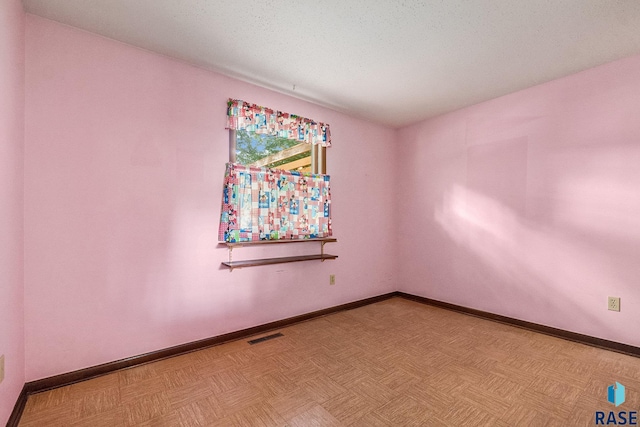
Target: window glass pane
(271, 151)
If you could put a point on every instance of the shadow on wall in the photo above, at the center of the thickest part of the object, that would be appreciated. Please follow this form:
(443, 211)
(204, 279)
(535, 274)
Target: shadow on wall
(567, 264)
(523, 253)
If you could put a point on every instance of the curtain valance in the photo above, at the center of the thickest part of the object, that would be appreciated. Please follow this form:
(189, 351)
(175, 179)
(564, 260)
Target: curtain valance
(272, 204)
(254, 118)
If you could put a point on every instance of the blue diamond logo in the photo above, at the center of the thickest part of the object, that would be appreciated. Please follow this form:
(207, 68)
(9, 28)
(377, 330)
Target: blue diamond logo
(615, 394)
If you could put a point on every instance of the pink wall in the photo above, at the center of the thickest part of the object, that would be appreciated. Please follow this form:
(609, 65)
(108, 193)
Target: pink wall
(124, 160)
(11, 203)
(528, 205)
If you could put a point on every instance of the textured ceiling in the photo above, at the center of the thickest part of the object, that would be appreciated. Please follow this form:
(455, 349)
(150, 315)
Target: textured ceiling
(394, 62)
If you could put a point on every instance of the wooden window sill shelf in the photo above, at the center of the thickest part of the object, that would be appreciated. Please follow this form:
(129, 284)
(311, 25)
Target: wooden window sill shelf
(279, 260)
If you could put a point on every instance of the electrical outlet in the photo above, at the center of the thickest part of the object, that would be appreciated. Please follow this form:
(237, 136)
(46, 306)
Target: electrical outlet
(1, 368)
(614, 303)
(332, 279)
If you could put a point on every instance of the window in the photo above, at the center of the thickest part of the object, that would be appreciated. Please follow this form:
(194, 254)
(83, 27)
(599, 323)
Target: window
(275, 185)
(261, 137)
(271, 151)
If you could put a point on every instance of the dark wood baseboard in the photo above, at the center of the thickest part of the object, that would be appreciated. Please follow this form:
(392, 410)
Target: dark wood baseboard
(107, 368)
(14, 418)
(547, 330)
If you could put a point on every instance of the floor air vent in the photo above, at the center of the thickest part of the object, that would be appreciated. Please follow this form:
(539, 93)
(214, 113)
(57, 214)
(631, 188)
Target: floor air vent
(267, 338)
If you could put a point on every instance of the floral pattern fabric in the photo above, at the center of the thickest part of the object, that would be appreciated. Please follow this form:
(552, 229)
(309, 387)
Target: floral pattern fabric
(271, 204)
(254, 118)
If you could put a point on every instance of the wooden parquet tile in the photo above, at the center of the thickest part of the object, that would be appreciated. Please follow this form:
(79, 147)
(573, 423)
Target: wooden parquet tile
(146, 408)
(349, 407)
(393, 363)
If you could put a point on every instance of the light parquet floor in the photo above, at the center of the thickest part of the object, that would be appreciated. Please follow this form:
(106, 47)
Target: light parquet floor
(393, 363)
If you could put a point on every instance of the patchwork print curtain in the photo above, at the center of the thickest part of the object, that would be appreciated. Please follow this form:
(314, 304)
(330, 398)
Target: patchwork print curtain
(271, 204)
(254, 118)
